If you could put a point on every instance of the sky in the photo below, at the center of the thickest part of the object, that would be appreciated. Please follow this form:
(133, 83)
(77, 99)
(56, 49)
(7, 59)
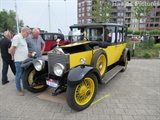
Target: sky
(35, 13)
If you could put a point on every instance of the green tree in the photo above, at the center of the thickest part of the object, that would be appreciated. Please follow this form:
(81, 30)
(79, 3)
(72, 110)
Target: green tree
(141, 8)
(101, 11)
(8, 21)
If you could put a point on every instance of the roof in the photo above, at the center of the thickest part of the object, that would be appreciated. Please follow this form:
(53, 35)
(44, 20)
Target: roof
(94, 24)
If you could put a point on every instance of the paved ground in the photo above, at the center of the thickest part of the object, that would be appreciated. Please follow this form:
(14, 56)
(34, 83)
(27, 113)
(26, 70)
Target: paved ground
(134, 95)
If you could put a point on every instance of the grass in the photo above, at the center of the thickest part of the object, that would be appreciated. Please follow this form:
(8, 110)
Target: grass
(142, 51)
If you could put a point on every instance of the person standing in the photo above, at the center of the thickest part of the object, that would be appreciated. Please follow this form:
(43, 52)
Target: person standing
(5, 44)
(35, 43)
(19, 52)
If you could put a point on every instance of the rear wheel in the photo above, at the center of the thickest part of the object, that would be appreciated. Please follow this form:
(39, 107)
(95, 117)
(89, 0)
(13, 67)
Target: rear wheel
(99, 61)
(125, 64)
(33, 82)
(82, 95)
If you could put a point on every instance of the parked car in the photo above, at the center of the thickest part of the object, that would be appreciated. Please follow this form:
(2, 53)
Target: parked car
(50, 40)
(77, 68)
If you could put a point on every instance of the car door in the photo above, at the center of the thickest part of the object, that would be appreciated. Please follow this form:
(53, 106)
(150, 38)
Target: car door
(119, 42)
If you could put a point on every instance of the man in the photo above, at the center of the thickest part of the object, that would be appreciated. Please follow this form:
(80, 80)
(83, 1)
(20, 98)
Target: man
(35, 43)
(5, 44)
(19, 52)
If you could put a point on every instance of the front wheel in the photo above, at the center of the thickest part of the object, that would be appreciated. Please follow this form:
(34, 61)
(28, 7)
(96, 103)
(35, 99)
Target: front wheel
(82, 95)
(34, 82)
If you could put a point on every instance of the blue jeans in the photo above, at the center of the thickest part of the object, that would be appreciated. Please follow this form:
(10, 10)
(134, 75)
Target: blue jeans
(18, 75)
(6, 63)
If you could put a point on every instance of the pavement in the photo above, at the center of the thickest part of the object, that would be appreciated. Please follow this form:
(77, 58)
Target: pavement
(131, 95)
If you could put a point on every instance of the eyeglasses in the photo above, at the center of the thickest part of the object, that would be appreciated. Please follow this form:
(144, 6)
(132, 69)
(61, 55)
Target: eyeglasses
(28, 32)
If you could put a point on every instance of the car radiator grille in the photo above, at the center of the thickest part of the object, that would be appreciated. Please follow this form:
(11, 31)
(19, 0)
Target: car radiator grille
(57, 58)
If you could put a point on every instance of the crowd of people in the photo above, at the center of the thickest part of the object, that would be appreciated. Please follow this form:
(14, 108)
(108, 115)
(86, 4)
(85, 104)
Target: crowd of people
(15, 50)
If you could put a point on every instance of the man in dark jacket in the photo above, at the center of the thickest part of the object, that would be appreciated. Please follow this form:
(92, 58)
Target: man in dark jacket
(5, 44)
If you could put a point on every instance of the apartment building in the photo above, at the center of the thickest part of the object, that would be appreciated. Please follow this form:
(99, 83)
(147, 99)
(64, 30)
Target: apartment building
(122, 12)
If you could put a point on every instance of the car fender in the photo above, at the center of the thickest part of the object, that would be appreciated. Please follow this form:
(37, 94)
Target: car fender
(30, 61)
(126, 53)
(77, 74)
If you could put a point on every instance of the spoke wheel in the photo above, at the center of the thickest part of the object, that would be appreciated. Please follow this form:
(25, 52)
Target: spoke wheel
(29, 77)
(125, 65)
(99, 61)
(81, 96)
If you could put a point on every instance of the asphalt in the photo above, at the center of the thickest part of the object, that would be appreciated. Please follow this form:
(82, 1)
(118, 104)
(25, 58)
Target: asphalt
(131, 95)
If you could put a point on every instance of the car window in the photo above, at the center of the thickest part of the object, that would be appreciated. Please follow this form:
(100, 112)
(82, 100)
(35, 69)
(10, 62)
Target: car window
(110, 34)
(119, 34)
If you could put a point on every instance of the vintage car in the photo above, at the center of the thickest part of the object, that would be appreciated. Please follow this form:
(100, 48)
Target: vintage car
(97, 53)
(50, 40)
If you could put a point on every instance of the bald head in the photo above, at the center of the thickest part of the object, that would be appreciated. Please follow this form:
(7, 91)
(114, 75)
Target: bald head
(7, 34)
(35, 33)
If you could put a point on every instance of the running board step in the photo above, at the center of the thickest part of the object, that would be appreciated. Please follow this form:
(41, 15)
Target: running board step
(110, 74)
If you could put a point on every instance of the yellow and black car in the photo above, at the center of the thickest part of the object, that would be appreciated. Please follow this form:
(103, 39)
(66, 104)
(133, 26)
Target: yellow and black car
(97, 53)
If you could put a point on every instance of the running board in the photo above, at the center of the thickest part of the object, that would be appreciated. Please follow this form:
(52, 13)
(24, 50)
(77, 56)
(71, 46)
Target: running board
(110, 74)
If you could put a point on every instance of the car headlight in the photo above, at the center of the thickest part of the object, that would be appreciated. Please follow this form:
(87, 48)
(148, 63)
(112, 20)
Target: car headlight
(39, 65)
(58, 69)
(82, 61)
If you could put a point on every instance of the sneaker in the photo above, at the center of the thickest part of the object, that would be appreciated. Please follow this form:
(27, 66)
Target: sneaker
(20, 93)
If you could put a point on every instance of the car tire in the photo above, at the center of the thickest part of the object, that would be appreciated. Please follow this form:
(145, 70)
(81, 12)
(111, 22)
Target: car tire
(99, 61)
(28, 77)
(81, 96)
(125, 63)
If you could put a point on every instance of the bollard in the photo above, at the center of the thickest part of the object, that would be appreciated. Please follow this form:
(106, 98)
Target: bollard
(134, 46)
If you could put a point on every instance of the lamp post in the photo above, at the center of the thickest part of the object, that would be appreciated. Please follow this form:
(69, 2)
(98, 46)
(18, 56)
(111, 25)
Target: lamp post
(16, 17)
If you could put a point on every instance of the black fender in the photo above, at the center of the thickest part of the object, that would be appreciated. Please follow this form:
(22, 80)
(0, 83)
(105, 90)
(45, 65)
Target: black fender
(77, 74)
(55, 45)
(126, 53)
(30, 61)
(26, 63)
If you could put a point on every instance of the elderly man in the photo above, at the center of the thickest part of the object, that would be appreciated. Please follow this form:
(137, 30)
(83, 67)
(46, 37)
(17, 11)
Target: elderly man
(35, 43)
(19, 52)
(5, 44)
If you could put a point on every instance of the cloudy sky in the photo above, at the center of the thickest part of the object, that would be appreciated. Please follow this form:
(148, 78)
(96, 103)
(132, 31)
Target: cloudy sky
(34, 13)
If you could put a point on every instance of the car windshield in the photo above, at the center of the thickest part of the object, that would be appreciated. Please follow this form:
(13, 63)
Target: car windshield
(91, 34)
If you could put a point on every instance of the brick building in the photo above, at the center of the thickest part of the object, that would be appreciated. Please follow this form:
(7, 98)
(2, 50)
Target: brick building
(122, 12)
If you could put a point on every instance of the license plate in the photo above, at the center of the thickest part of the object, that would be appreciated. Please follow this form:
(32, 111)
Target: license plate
(52, 83)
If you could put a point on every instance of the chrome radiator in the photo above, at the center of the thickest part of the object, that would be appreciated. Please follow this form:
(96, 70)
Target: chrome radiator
(57, 58)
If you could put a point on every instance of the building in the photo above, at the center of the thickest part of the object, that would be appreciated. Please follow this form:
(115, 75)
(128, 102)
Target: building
(122, 12)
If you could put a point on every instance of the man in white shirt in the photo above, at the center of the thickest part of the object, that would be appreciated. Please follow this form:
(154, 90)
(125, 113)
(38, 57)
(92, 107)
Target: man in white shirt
(19, 52)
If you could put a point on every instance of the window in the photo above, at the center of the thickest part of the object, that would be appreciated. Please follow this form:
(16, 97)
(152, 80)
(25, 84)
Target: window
(83, 9)
(88, 14)
(134, 25)
(83, 3)
(79, 10)
(110, 34)
(119, 34)
(151, 19)
(79, 4)
(88, 20)
(142, 25)
(134, 20)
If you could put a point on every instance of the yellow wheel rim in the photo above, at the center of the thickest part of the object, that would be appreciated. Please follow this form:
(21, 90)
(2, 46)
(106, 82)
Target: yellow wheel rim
(101, 64)
(30, 79)
(126, 62)
(84, 91)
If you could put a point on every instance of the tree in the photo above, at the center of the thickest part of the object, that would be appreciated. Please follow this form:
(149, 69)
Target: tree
(141, 9)
(8, 21)
(101, 11)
